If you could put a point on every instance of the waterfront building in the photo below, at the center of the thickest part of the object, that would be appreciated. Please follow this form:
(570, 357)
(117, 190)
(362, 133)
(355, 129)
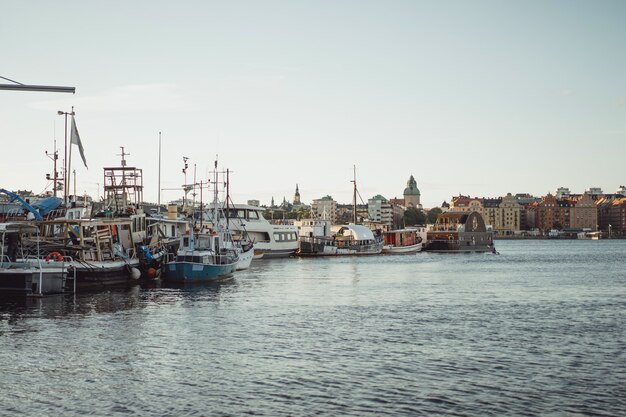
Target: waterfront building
(510, 215)
(612, 214)
(550, 214)
(583, 212)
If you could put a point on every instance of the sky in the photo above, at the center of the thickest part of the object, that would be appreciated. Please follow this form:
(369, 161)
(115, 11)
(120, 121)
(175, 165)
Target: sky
(479, 98)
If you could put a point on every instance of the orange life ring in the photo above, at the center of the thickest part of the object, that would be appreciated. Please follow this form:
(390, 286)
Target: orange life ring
(56, 255)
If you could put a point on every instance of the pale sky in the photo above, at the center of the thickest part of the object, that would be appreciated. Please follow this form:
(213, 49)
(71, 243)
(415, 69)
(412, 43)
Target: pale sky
(471, 97)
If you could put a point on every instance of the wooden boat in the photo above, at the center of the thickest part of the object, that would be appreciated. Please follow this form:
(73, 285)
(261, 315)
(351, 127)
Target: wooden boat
(460, 231)
(403, 241)
(351, 239)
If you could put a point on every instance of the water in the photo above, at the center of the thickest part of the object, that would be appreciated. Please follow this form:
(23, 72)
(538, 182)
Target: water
(537, 330)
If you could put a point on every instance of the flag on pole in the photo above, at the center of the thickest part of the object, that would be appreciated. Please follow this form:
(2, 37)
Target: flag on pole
(75, 139)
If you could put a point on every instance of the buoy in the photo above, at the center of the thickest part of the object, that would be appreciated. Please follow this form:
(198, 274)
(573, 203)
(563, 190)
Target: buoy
(135, 273)
(151, 273)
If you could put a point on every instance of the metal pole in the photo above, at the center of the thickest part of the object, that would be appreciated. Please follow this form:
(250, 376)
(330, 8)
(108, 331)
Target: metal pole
(159, 193)
(65, 175)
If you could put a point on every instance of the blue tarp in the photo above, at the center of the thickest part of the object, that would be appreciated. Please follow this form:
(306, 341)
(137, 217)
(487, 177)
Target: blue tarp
(46, 205)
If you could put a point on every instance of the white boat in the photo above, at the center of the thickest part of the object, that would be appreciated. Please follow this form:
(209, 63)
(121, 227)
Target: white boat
(408, 240)
(270, 240)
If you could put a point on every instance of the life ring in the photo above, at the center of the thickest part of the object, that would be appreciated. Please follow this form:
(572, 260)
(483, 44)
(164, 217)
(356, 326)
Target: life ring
(54, 255)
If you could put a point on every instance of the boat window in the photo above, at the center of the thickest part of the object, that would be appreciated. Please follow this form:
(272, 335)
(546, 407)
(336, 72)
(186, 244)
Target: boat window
(253, 215)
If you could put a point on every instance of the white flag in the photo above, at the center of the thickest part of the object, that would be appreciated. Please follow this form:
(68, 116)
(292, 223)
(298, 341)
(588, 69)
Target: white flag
(75, 138)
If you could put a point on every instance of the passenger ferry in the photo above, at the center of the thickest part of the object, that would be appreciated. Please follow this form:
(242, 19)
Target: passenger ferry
(270, 240)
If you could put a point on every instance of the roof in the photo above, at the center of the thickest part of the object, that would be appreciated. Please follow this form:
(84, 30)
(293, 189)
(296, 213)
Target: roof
(358, 231)
(411, 187)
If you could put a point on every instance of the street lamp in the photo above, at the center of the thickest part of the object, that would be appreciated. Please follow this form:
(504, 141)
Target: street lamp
(66, 168)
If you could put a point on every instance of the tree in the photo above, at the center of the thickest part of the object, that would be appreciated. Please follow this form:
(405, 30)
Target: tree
(432, 215)
(413, 216)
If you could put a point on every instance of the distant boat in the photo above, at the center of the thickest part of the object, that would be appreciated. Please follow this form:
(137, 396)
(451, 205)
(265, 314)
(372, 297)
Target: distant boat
(408, 240)
(350, 239)
(460, 231)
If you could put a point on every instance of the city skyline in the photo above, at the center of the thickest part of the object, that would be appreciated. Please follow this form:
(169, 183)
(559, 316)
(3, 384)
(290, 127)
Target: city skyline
(481, 98)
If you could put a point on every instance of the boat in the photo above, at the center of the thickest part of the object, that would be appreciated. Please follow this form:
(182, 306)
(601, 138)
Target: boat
(404, 241)
(350, 239)
(271, 240)
(104, 248)
(201, 258)
(207, 253)
(23, 271)
(459, 231)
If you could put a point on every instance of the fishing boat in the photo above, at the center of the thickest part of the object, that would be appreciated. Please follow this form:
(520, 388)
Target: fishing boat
(404, 241)
(104, 247)
(201, 258)
(207, 253)
(23, 271)
(460, 231)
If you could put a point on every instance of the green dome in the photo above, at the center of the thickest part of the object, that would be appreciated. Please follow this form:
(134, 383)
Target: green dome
(411, 187)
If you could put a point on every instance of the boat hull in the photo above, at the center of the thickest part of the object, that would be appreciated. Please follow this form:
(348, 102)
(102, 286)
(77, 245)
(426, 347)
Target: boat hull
(30, 281)
(443, 246)
(95, 274)
(195, 272)
(318, 247)
(398, 250)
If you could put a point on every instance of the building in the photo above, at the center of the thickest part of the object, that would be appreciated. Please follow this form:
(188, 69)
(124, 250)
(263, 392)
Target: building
(412, 194)
(379, 210)
(583, 212)
(324, 208)
(296, 197)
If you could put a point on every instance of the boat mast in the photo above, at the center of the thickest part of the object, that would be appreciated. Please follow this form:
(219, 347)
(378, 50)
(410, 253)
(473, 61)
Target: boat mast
(354, 196)
(159, 190)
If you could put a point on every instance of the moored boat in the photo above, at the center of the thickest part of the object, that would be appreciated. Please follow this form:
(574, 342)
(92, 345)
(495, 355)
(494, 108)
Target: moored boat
(23, 271)
(404, 241)
(351, 239)
(201, 258)
(460, 231)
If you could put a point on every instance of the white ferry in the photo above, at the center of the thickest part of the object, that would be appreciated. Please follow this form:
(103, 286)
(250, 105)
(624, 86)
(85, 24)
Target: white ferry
(270, 240)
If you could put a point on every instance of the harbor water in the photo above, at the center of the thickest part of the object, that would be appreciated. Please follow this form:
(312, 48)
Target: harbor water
(538, 330)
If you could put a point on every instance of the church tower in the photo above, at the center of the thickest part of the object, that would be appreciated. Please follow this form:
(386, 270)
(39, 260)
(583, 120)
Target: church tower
(412, 194)
(296, 197)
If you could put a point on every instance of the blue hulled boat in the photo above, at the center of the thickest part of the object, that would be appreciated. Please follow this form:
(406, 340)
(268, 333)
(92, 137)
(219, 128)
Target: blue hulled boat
(202, 257)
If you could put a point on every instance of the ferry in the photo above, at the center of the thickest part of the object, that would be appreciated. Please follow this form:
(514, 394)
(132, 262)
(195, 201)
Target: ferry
(271, 240)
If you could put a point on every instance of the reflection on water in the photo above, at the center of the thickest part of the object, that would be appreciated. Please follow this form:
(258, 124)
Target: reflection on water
(537, 330)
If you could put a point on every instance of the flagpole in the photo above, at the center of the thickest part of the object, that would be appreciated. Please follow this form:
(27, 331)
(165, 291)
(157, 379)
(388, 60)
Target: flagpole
(66, 175)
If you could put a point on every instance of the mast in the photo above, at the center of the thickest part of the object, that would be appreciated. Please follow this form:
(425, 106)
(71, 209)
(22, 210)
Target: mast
(159, 179)
(354, 196)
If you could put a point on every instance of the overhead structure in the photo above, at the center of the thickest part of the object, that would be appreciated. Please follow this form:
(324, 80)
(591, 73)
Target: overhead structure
(17, 86)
